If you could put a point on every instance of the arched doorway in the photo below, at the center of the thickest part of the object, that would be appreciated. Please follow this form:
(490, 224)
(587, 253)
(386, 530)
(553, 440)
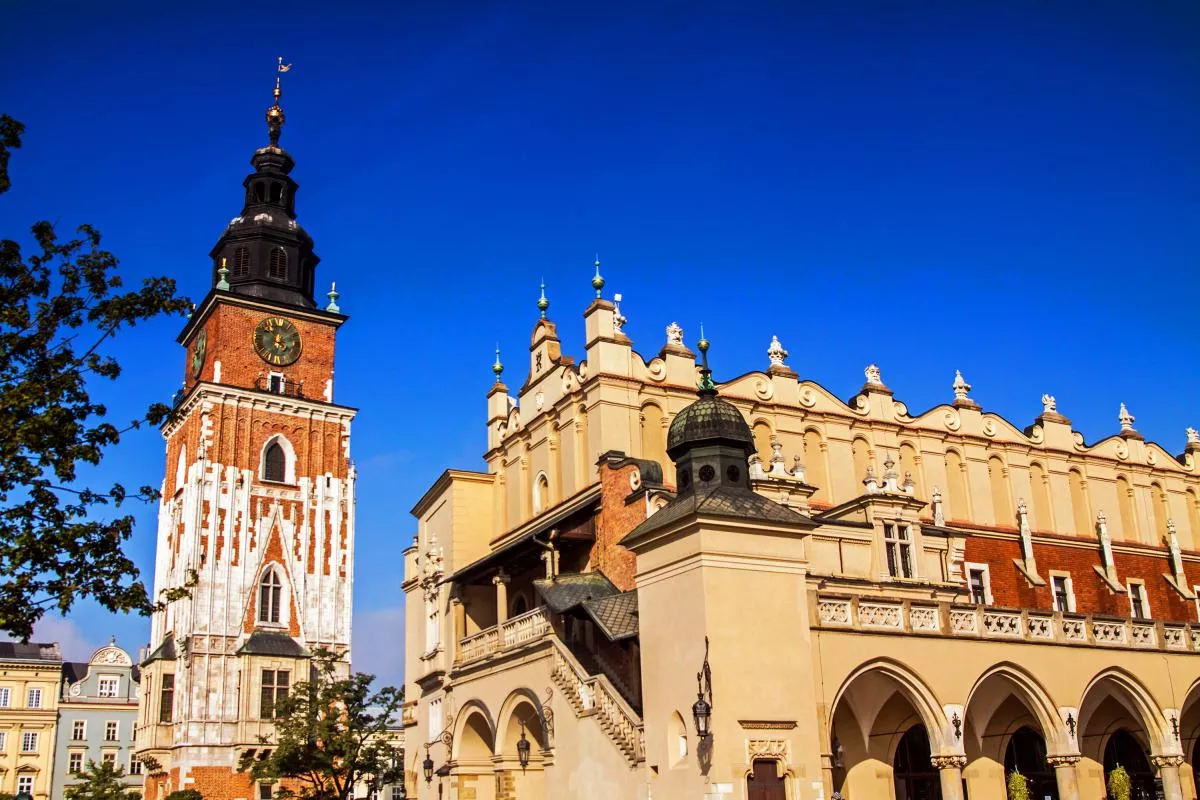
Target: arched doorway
(522, 729)
(915, 777)
(1124, 750)
(764, 781)
(473, 749)
(1026, 754)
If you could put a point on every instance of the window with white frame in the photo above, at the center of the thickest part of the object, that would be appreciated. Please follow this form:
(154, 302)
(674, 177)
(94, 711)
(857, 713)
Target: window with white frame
(1064, 592)
(109, 685)
(5, 696)
(75, 762)
(270, 596)
(29, 742)
(433, 625)
(78, 730)
(979, 584)
(33, 698)
(897, 544)
(135, 765)
(108, 757)
(112, 731)
(435, 719)
(3, 741)
(25, 784)
(1139, 608)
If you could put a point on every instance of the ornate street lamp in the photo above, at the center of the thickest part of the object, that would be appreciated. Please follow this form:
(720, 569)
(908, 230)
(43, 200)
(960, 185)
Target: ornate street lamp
(523, 748)
(702, 708)
(427, 767)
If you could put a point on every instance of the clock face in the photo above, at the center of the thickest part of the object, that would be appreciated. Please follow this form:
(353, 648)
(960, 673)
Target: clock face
(277, 341)
(199, 350)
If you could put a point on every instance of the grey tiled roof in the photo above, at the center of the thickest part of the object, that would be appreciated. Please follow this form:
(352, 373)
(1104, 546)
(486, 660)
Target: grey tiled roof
(266, 643)
(617, 615)
(164, 652)
(721, 501)
(708, 418)
(568, 591)
(34, 651)
(75, 671)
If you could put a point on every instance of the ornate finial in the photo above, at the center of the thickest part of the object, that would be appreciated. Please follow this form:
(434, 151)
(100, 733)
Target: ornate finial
(275, 118)
(872, 373)
(223, 275)
(706, 382)
(1171, 531)
(618, 318)
(961, 388)
(1125, 418)
(498, 368)
(598, 281)
(1193, 436)
(333, 295)
(1049, 405)
(776, 353)
(543, 304)
(1100, 518)
(675, 334)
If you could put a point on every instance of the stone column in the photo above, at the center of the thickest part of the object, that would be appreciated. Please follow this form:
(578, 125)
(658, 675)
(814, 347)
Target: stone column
(458, 613)
(1168, 771)
(501, 581)
(1065, 775)
(950, 770)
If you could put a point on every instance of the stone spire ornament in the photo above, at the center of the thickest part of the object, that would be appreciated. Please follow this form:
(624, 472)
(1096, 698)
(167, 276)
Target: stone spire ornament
(223, 274)
(543, 304)
(333, 294)
(598, 281)
(776, 353)
(871, 482)
(961, 387)
(939, 509)
(777, 467)
(891, 478)
(618, 318)
(1125, 418)
(674, 335)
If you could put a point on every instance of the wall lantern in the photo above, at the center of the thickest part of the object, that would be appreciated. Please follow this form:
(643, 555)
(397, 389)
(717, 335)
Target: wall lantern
(523, 748)
(427, 767)
(702, 708)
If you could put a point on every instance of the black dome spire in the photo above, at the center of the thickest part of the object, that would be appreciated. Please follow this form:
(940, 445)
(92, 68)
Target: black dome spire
(266, 252)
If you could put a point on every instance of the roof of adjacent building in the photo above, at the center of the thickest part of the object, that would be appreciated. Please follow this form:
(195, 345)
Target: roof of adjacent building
(565, 592)
(721, 501)
(616, 615)
(31, 651)
(267, 643)
(164, 652)
(75, 671)
(708, 419)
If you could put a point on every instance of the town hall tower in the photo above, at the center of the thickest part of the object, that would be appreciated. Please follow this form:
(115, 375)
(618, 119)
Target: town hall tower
(257, 510)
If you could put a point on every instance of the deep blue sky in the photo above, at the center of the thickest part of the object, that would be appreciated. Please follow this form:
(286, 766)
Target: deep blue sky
(1007, 188)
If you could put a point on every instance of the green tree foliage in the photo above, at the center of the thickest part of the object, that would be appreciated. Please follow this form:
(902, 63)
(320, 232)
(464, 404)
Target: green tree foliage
(60, 304)
(1018, 786)
(185, 794)
(331, 735)
(99, 782)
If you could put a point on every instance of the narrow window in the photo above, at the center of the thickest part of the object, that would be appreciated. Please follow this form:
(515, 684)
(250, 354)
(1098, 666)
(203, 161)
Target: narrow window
(265, 791)
(108, 686)
(274, 689)
(260, 192)
(112, 731)
(75, 765)
(34, 698)
(3, 741)
(78, 730)
(277, 266)
(166, 699)
(1062, 593)
(269, 592)
(1137, 601)
(135, 766)
(978, 586)
(241, 262)
(29, 742)
(276, 383)
(275, 463)
(5, 695)
(897, 541)
(108, 757)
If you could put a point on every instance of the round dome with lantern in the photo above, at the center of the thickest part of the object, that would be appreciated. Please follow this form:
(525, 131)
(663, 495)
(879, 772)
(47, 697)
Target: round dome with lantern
(709, 420)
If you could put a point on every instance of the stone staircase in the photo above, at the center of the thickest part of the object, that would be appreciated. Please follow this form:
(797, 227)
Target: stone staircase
(595, 696)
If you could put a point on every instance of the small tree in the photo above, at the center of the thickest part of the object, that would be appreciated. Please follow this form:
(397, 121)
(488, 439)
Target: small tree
(1119, 785)
(99, 782)
(331, 735)
(1018, 786)
(185, 794)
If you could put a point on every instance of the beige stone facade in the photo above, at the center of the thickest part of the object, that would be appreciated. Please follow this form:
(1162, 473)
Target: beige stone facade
(929, 602)
(30, 685)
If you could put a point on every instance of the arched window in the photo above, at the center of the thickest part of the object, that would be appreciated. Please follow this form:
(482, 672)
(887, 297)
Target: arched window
(909, 462)
(762, 442)
(814, 466)
(677, 739)
(519, 605)
(260, 192)
(1001, 505)
(1193, 512)
(276, 192)
(275, 463)
(1129, 529)
(241, 262)
(1043, 514)
(541, 493)
(277, 267)
(1079, 504)
(1124, 750)
(860, 450)
(1026, 754)
(956, 487)
(914, 774)
(1159, 511)
(270, 591)
(654, 446)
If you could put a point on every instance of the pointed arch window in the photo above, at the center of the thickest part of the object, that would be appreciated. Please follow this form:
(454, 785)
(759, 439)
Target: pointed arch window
(275, 463)
(241, 262)
(270, 591)
(277, 266)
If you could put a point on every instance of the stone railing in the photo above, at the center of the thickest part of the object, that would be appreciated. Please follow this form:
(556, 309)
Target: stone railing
(595, 696)
(512, 633)
(984, 622)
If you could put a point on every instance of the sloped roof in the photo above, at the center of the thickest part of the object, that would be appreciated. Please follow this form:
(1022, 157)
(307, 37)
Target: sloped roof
(268, 643)
(721, 501)
(75, 671)
(568, 591)
(616, 615)
(164, 652)
(33, 651)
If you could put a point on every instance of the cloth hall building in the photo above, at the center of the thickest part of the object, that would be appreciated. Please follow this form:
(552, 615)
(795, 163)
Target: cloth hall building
(846, 597)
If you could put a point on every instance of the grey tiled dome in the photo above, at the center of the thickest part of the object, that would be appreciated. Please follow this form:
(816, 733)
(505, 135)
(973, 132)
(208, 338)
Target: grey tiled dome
(709, 418)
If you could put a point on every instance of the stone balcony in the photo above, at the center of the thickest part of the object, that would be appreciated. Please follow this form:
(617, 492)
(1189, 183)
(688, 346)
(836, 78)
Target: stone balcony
(508, 635)
(870, 615)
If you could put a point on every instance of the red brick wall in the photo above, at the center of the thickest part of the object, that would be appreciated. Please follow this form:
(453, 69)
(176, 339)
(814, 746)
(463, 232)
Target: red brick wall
(1092, 595)
(614, 520)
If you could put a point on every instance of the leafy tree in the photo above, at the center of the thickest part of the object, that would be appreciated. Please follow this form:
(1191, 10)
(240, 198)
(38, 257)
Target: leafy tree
(185, 794)
(330, 736)
(99, 782)
(59, 305)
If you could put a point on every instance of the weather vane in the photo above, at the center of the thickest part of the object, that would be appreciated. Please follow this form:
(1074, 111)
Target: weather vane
(275, 117)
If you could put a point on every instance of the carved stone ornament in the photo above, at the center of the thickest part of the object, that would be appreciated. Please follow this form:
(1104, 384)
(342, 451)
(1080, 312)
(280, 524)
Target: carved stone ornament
(1125, 418)
(776, 353)
(948, 762)
(1049, 405)
(675, 335)
(768, 748)
(1166, 761)
(618, 318)
(1068, 760)
(961, 388)
(873, 375)
(1193, 436)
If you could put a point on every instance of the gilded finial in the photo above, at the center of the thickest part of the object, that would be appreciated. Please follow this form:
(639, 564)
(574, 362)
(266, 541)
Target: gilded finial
(498, 368)
(598, 281)
(706, 382)
(223, 275)
(275, 118)
(543, 304)
(333, 295)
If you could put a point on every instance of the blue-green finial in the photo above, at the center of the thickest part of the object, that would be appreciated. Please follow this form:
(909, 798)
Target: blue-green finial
(333, 295)
(543, 303)
(598, 281)
(706, 382)
(223, 274)
(498, 368)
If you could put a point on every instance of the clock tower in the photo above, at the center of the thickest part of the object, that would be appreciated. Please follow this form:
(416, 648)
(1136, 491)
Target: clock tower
(257, 511)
